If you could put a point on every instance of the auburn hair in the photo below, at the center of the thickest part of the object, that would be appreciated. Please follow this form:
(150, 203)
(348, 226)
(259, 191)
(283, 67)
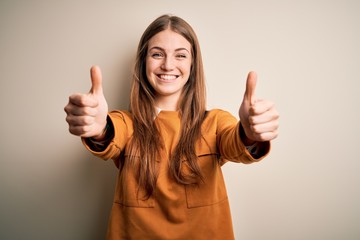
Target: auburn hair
(146, 143)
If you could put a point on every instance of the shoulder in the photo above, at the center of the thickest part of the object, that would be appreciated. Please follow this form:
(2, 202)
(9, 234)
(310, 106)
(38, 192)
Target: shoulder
(218, 113)
(121, 118)
(122, 114)
(219, 117)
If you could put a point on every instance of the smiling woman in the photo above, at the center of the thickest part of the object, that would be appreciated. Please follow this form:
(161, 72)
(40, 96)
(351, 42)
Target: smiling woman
(168, 148)
(168, 66)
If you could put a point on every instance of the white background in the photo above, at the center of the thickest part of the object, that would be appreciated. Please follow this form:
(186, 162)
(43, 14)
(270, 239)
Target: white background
(307, 57)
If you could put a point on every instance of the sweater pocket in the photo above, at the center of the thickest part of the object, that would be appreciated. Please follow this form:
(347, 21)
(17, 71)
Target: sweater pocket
(128, 192)
(212, 189)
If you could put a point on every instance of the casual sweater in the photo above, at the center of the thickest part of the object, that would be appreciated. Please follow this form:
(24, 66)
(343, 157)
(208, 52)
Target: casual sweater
(174, 210)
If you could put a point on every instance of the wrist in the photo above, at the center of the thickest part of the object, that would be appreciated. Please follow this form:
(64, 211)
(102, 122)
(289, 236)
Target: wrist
(101, 141)
(246, 140)
(102, 135)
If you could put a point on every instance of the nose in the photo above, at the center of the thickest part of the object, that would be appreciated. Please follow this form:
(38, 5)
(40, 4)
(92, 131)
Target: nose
(168, 64)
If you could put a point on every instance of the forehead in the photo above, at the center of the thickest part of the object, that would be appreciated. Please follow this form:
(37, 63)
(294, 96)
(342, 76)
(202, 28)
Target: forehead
(169, 40)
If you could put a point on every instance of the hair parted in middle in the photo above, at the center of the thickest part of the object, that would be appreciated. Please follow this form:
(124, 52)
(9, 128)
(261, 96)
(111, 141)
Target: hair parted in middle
(146, 140)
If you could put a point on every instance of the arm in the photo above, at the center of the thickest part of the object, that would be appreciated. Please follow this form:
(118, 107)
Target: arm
(116, 137)
(250, 140)
(104, 134)
(232, 144)
(100, 144)
(256, 149)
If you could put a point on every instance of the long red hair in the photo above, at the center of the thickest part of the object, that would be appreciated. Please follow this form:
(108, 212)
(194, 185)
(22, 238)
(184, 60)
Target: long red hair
(146, 141)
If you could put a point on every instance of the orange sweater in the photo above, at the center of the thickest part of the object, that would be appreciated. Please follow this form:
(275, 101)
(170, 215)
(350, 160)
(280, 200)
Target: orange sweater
(176, 211)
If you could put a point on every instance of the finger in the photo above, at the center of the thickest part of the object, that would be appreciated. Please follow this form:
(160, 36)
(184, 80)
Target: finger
(261, 106)
(81, 111)
(250, 87)
(83, 100)
(268, 136)
(265, 127)
(77, 121)
(79, 130)
(82, 131)
(96, 80)
(268, 116)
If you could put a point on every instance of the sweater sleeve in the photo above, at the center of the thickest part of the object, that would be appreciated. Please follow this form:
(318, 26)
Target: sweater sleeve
(229, 142)
(123, 129)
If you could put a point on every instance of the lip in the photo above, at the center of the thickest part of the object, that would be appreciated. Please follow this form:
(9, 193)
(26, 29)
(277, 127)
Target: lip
(167, 77)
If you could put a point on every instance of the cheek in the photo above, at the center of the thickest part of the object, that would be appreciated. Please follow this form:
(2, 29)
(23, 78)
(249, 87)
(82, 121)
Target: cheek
(148, 69)
(151, 66)
(186, 68)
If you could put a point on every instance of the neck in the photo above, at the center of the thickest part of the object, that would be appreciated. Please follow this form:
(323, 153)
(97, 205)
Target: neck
(167, 103)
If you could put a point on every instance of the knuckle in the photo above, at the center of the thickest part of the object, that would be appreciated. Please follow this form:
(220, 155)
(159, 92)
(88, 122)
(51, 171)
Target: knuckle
(252, 110)
(89, 111)
(74, 130)
(79, 99)
(276, 114)
(258, 137)
(255, 129)
(74, 98)
(82, 100)
(252, 120)
(85, 111)
(68, 119)
(263, 137)
(85, 129)
(88, 120)
(68, 108)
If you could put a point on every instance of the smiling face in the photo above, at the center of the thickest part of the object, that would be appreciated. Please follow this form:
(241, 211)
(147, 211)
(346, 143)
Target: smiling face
(168, 66)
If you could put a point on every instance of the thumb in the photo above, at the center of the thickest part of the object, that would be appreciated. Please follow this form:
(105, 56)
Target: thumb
(250, 87)
(96, 80)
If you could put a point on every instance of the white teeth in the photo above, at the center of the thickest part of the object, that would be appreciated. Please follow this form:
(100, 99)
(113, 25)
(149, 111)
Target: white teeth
(167, 77)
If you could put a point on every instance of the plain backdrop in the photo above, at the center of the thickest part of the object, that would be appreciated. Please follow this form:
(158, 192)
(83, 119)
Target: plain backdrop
(306, 54)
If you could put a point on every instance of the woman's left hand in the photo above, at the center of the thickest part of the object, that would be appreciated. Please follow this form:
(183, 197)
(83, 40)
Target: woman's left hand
(259, 118)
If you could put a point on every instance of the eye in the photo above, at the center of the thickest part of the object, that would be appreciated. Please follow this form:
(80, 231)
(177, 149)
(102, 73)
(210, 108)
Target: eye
(157, 55)
(180, 55)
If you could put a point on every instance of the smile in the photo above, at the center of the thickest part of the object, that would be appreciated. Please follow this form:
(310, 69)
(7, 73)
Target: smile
(167, 77)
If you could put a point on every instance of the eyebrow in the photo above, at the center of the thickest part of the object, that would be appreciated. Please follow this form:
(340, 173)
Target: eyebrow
(176, 50)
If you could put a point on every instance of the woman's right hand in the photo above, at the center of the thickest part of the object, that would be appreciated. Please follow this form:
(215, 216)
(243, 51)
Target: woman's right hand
(87, 113)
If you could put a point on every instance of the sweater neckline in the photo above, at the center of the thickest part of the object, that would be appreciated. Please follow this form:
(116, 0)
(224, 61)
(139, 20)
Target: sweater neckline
(167, 113)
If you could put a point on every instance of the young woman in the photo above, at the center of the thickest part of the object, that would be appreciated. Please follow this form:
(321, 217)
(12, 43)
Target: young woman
(168, 148)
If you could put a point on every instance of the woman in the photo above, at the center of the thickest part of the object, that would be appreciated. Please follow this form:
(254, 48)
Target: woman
(167, 147)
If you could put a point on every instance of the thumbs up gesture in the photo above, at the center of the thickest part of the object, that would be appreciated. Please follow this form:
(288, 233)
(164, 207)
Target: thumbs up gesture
(259, 118)
(87, 113)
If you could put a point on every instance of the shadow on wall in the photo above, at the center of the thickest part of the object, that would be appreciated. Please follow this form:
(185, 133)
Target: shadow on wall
(96, 177)
(95, 188)
(70, 199)
(56, 189)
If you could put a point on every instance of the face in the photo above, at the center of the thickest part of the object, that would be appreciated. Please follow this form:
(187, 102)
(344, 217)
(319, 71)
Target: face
(168, 65)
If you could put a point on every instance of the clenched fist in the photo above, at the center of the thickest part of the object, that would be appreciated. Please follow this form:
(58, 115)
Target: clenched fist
(87, 113)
